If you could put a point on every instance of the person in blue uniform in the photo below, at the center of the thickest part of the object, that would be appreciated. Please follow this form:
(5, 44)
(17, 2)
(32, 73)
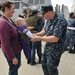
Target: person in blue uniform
(54, 34)
(71, 33)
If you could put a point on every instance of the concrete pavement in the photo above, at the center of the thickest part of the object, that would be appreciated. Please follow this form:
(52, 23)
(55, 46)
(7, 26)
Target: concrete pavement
(66, 66)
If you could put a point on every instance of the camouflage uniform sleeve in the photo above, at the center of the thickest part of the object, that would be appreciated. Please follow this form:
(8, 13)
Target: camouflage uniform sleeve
(60, 28)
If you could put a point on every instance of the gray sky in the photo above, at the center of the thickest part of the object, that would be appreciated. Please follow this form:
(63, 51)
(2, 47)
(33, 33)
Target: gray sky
(65, 2)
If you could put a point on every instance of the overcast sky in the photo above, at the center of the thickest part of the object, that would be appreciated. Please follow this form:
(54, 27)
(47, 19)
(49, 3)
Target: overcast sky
(65, 2)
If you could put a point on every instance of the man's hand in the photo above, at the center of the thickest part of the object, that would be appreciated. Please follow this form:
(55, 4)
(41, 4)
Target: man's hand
(15, 61)
(35, 38)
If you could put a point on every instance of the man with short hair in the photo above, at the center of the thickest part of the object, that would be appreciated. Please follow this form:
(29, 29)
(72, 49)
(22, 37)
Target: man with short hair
(55, 35)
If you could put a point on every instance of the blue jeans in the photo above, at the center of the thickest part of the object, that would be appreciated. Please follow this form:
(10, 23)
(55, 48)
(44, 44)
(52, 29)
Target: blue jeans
(13, 69)
(36, 45)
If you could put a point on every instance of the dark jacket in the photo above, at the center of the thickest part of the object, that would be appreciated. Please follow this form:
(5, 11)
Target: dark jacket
(32, 21)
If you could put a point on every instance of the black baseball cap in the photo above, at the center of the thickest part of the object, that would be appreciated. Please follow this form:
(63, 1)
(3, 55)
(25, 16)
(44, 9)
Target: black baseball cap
(34, 12)
(24, 11)
(45, 9)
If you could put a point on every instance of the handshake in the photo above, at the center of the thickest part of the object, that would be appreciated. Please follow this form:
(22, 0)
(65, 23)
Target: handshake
(25, 30)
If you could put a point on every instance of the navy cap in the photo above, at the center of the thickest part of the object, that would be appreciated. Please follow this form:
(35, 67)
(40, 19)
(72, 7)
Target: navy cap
(45, 9)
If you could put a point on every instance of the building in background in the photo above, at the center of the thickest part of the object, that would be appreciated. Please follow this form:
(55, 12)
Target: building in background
(21, 5)
(57, 8)
(62, 10)
(39, 2)
(73, 6)
(36, 4)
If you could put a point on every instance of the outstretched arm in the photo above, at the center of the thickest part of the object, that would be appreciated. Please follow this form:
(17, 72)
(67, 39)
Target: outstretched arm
(42, 33)
(26, 31)
(45, 38)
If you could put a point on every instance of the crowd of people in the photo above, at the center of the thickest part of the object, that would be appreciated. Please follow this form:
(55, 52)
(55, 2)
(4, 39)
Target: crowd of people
(27, 32)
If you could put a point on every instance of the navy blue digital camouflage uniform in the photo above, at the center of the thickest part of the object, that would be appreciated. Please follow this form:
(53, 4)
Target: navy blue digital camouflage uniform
(53, 51)
(70, 34)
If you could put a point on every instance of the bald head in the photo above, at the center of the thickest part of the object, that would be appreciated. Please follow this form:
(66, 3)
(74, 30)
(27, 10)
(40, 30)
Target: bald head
(20, 22)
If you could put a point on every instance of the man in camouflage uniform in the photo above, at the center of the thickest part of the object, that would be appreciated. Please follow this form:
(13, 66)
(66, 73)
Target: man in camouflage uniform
(55, 31)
